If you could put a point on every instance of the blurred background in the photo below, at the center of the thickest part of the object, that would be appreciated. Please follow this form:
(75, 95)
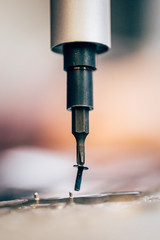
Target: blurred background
(37, 149)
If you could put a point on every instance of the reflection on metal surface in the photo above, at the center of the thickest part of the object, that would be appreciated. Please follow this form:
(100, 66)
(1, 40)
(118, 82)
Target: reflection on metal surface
(59, 203)
(12, 203)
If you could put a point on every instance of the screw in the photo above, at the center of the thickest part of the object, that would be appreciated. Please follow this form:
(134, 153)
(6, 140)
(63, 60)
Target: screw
(36, 197)
(71, 197)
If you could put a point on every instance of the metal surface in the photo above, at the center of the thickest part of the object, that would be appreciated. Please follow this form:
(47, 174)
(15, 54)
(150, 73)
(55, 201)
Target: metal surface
(80, 21)
(59, 203)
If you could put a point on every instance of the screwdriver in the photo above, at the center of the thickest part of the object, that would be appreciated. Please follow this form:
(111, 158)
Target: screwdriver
(80, 29)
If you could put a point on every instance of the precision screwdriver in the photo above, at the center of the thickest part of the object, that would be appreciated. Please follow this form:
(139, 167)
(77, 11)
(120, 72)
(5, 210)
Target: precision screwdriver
(80, 29)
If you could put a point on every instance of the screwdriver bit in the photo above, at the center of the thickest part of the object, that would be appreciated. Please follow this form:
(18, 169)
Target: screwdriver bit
(80, 129)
